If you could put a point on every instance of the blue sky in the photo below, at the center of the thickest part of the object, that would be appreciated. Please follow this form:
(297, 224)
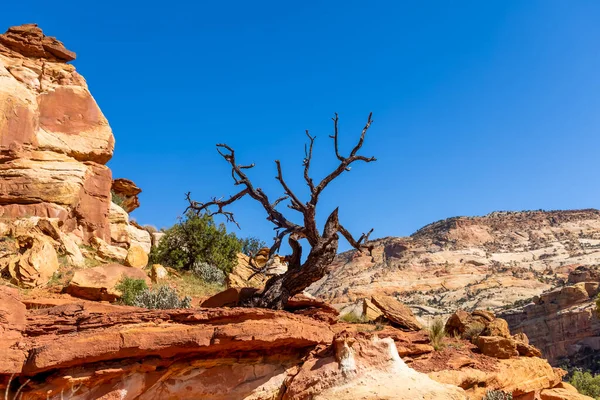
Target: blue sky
(477, 105)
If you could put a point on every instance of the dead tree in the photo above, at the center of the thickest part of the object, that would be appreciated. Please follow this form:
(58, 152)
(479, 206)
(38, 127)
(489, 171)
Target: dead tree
(323, 245)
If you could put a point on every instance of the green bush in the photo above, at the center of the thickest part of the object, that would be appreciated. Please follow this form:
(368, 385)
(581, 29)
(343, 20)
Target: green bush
(437, 332)
(586, 383)
(497, 395)
(197, 239)
(208, 273)
(352, 318)
(251, 245)
(130, 289)
(117, 198)
(162, 298)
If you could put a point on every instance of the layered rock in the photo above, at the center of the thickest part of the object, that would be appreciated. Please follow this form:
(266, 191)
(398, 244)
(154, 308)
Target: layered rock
(471, 263)
(127, 191)
(54, 140)
(83, 350)
(564, 321)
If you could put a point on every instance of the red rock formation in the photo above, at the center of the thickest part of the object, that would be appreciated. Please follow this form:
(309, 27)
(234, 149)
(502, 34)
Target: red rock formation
(561, 322)
(54, 140)
(128, 192)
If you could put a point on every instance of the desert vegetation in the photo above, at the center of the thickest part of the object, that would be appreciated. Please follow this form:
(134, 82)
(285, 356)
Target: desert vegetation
(586, 383)
(195, 240)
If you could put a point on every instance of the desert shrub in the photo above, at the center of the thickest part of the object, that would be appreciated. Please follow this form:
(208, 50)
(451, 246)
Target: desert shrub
(586, 383)
(162, 298)
(117, 198)
(352, 318)
(251, 245)
(437, 332)
(197, 239)
(497, 395)
(130, 289)
(473, 331)
(598, 305)
(208, 273)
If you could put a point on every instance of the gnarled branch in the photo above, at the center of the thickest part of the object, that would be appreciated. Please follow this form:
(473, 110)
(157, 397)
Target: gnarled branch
(345, 162)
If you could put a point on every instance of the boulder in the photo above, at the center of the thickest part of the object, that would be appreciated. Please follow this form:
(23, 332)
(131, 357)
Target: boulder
(238, 277)
(136, 257)
(72, 250)
(527, 350)
(99, 283)
(370, 312)
(497, 347)
(37, 262)
(396, 312)
(497, 327)
(584, 273)
(124, 233)
(108, 252)
(458, 322)
(127, 192)
(229, 298)
(158, 273)
(140, 238)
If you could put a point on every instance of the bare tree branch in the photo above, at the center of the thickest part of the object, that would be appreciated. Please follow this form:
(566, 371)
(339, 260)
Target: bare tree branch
(345, 162)
(240, 178)
(296, 203)
(335, 137)
(359, 244)
(308, 151)
(205, 207)
(323, 245)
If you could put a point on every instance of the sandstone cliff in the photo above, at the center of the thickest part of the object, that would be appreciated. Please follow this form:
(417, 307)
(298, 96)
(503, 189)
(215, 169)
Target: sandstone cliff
(55, 142)
(563, 322)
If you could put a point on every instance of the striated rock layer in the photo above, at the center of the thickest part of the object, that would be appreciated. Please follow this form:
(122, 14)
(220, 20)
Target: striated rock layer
(85, 350)
(471, 263)
(564, 321)
(54, 140)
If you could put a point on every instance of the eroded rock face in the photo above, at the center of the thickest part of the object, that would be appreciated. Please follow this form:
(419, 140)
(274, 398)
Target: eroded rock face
(83, 350)
(54, 140)
(128, 193)
(562, 322)
(470, 263)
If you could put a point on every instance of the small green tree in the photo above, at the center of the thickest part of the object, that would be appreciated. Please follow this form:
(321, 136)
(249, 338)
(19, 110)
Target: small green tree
(197, 239)
(130, 288)
(251, 245)
(586, 383)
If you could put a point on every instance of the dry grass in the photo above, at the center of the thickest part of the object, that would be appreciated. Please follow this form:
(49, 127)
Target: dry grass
(437, 332)
(193, 286)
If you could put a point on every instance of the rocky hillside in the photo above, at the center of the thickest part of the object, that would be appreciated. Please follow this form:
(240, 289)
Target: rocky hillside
(536, 268)
(564, 322)
(492, 262)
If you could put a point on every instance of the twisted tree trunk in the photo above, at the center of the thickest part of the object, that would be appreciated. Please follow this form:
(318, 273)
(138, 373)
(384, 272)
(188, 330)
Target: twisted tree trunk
(323, 246)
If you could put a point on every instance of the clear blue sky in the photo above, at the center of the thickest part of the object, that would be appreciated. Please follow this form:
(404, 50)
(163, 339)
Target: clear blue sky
(478, 106)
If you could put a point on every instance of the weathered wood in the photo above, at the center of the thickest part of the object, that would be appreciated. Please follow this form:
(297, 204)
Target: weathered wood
(323, 246)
